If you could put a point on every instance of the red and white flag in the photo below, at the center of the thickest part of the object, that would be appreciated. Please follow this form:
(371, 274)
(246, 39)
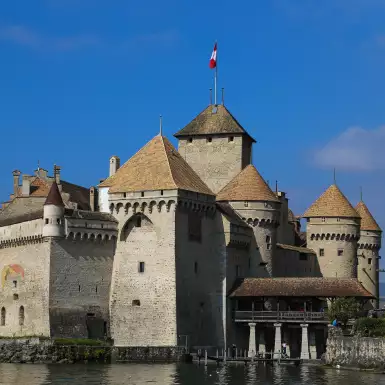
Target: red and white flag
(213, 59)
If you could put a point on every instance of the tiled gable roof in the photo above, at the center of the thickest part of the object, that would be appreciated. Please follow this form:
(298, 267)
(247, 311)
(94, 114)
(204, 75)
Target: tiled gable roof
(332, 203)
(367, 220)
(215, 119)
(156, 166)
(248, 185)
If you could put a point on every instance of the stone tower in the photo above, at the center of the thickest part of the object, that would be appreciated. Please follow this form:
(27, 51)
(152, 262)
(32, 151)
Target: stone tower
(332, 231)
(368, 252)
(254, 201)
(216, 146)
(53, 213)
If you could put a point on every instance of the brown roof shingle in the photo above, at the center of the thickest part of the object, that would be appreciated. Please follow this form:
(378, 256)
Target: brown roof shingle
(215, 119)
(332, 203)
(54, 197)
(299, 287)
(248, 185)
(367, 220)
(156, 166)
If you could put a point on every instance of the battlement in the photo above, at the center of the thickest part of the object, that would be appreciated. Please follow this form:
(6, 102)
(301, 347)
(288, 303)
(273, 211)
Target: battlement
(334, 237)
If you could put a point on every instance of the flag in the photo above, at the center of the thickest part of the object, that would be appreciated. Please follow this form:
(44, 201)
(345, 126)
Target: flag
(213, 59)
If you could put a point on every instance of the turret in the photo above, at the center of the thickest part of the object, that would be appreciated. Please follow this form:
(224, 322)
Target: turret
(332, 231)
(53, 213)
(253, 199)
(368, 252)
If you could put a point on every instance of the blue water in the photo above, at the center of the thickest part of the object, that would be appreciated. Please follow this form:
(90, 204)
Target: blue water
(183, 374)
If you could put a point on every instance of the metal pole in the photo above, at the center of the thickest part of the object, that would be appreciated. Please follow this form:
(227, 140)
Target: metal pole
(215, 83)
(205, 357)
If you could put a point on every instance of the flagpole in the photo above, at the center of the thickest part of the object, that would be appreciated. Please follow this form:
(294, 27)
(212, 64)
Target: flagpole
(216, 74)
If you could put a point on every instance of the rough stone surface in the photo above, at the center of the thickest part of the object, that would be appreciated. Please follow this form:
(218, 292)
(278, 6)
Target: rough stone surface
(358, 352)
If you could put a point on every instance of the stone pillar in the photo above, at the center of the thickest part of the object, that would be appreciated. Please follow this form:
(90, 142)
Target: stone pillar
(313, 345)
(252, 344)
(304, 343)
(278, 339)
(262, 343)
(286, 339)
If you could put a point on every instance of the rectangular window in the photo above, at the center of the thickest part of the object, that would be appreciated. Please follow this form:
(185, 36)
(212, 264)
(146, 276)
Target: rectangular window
(369, 261)
(302, 257)
(237, 270)
(14, 283)
(209, 140)
(190, 140)
(194, 226)
(321, 252)
(246, 204)
(323, 219)
(141, 267)
(268, 246)
(231, 138)
(268, 238)
(340, 252)
(46, 221)
(338, 219)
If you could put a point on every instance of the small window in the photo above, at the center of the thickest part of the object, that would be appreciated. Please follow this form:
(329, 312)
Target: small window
(161, 192)
(21, 316)
(246, 204)
(369, 261)
(323, 219)
(321, 252)
(15, 297)
(268, 246)
(124, 195)
(58, 221)
(302, 257)
(196, 267)
(135, 302)
(340, 252)
(46, 221)
(79, 288)
(338, 219)
(90, 314)
(190, 140)
(237, 270)
(3, 314)
(101, 226)
(138, 222)
(96, 288)
(141, 267)
(142, 193)
(268, 238)
(209, 140)
(231, 138)
(14, 283)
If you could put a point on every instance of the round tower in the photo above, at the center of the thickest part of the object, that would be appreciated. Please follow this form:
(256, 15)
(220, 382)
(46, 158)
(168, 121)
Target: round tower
(53, 213)
(332, 231)
(368, 252)
(254, 201)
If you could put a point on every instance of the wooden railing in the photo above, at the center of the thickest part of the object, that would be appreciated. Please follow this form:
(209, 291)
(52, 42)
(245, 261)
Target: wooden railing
(276, 316)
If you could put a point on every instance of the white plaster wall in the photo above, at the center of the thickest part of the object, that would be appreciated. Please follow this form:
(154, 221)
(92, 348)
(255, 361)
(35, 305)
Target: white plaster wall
(103, 200)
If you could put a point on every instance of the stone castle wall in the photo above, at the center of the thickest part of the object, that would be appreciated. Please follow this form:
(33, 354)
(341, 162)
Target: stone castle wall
(25, 272)
(21, 230)
(80, 280)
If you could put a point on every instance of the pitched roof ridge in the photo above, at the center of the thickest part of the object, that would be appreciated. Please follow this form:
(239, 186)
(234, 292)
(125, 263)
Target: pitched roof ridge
(167, 158)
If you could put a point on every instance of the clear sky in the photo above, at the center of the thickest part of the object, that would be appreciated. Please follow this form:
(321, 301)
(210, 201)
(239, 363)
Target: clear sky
(81, 80)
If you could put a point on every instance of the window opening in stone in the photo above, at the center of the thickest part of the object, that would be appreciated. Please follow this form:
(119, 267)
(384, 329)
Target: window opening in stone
(209, 140)
(196, 267)
(90, 314)
(338, 219)
(96, 288)
(135, 302)
(15, 297)
(138, 222)
(14, 283)
(142, 194)
(46, 221)
(321, 252)
(124, 195)
(161, 192)
(58, 221)
(231, 138)
(21, 316)
(323, 219)
(190, 140)
(3, 313)
(79, 288)
(268, 246)
(246, 204)
(141, 267)
(340, 252)
(369, 261)
(302, 257)
(237, 270)
(268, 238)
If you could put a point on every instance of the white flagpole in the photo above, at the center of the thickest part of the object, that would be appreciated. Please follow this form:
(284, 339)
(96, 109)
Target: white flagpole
(216, 74)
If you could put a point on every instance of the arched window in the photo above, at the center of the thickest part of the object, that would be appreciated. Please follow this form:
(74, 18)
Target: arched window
(2, 316)
(21, 315)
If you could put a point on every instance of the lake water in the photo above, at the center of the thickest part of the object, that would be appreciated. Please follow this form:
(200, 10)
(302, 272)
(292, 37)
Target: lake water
(183, 374)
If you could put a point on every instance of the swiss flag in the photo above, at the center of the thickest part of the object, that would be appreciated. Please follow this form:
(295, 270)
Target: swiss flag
(213, 59)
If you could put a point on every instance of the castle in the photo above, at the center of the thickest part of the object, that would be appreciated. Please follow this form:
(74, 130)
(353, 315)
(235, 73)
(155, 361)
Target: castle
(150, 255)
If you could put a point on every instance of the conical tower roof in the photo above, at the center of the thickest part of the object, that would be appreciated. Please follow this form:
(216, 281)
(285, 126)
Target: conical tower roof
(367, 220)
(248, 185)
(332, 203)
(215, 119)
(54, 196)
(156, 166)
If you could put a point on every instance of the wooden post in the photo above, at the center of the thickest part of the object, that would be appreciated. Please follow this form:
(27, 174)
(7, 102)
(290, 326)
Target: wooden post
(205, 357)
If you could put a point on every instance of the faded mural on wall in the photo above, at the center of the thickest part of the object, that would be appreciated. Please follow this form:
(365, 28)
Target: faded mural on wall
(11, 272)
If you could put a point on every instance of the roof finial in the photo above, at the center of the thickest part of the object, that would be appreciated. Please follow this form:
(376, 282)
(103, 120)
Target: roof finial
(38, 165)
(211, 96)
(361, 193)
(334, 176)
(223, 96)
(160, 126)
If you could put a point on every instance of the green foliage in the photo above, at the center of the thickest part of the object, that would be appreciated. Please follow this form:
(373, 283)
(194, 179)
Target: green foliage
(77, 341)
(370, 327)
(344, 309)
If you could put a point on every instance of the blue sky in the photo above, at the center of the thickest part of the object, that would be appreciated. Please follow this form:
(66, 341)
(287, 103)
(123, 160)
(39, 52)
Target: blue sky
(81, 80)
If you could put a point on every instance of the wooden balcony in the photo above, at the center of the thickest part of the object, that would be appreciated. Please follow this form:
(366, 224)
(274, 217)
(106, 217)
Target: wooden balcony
(281, 316)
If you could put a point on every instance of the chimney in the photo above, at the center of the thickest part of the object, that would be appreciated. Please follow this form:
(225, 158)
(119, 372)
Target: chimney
(26, 187)
(92, 198)
(56, 174)
(16, 176)
(114, 164)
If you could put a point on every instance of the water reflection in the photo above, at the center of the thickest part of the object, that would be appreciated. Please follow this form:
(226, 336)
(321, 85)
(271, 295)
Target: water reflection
(174, 374)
